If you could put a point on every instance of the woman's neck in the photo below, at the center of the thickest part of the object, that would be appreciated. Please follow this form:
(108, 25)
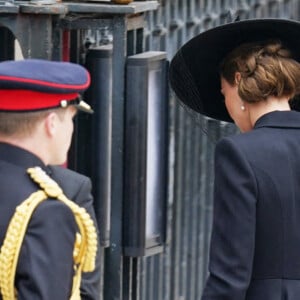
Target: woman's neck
(258, 109)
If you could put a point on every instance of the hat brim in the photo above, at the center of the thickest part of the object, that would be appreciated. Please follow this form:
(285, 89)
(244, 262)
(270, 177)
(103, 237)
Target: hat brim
(194, 70)
(83, 106)
(79, 103)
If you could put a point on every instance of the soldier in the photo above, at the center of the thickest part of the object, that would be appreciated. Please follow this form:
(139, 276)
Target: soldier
(38, 101)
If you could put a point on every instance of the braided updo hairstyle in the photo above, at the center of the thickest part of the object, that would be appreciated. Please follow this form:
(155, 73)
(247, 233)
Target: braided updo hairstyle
(267, 69)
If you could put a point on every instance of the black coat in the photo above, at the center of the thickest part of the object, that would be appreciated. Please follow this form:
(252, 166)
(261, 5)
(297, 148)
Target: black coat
(45, 265)
(255, 243)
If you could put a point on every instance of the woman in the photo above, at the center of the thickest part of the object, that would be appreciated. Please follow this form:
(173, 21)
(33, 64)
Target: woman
(255, 243)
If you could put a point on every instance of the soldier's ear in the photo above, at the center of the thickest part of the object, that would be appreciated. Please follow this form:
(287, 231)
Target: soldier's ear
(50, 124)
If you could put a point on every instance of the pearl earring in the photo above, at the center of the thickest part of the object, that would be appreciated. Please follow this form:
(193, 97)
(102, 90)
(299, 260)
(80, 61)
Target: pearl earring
(242, 107)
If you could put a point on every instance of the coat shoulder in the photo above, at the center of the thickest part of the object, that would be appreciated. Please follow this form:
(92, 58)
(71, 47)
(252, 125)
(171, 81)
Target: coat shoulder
(58, 171)
(246, 142)
(70, 181)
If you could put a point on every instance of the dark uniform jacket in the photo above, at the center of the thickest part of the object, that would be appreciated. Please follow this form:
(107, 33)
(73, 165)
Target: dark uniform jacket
(255, 244)
(45, 265)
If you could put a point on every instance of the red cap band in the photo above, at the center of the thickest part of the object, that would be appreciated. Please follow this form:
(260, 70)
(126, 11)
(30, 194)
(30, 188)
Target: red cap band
(26, 100)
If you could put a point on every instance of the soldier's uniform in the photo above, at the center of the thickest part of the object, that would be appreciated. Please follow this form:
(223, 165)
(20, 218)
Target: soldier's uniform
(45, 265)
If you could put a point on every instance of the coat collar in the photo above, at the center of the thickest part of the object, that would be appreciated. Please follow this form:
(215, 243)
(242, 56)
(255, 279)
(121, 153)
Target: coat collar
(281, 119)
(19, 156)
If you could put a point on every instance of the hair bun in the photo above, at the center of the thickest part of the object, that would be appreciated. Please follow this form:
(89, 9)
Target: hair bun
(275, 49)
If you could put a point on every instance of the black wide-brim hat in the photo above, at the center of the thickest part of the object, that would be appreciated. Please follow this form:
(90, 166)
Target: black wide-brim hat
(194, 71)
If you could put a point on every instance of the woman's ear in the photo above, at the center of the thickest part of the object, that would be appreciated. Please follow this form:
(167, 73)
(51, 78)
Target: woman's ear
(51, 124)
(237, 78)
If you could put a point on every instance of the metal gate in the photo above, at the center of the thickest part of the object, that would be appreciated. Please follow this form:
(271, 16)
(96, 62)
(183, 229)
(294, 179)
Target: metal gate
(179, 272)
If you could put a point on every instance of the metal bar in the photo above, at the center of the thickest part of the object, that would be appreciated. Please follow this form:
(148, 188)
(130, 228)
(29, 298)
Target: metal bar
(131, 42)
(140, 40)
(7, 49)
(99, 95)
(177, 226)
(113, 282)
(9, 8)
(135, 278)
(127, 278)
(185, 208)
(57, 39)
(34, 35)
(151, 279)
(79, 22)
(195, 165)
(132, 8)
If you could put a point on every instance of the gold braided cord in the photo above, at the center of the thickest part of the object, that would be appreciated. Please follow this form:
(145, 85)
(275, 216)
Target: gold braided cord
(86, 226)
(85, 247)
(11, 247)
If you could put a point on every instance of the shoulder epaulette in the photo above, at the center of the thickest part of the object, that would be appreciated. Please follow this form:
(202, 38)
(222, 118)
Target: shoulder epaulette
(85, 247)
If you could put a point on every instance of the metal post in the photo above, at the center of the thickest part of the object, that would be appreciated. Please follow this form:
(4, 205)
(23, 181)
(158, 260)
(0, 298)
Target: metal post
(7, 50)
(113, 282)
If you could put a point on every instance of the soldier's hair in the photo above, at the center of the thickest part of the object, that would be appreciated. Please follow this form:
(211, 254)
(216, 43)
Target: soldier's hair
(23, 123)
(267, 69)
